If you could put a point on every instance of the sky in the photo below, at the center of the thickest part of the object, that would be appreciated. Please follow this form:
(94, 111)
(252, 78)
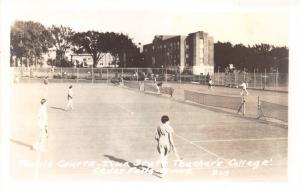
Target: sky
(247, 22)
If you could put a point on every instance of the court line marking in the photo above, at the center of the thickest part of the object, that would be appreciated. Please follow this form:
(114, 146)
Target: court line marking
(199, 147)
(232, 140)
(124, 108)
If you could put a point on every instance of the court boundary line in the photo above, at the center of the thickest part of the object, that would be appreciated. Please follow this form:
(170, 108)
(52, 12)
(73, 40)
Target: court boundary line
(234, 140)
(199, 147)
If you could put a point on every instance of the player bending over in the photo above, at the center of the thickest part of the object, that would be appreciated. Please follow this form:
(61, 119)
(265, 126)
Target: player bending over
(70, 98)
(165, 142)
(43, 127)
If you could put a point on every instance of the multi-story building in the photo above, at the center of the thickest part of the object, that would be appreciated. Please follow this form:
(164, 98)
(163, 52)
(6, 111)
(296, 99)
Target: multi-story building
(195, 51)
(165, 51)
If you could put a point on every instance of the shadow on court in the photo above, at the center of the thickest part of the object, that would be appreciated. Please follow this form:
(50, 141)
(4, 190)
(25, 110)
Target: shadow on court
(58, 108)
(21, 143)
(132, 165)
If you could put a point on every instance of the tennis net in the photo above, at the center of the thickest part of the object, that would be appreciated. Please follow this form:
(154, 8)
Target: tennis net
(149, 87)
(228, 102)
(273, 110)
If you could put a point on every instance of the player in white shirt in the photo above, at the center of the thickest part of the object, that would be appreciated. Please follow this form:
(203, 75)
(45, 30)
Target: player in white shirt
(70, 98)
(43, 127)
(210, 83)
(244, 88)
(165, 143)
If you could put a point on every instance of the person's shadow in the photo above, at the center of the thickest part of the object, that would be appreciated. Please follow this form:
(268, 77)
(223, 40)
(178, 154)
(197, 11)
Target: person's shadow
(132, 165)
(21, 143)
(58, 108)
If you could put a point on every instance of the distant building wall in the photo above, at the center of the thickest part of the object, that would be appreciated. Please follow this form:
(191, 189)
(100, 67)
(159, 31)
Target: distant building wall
(193, 51)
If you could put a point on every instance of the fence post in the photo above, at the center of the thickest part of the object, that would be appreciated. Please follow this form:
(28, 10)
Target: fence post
(261, 81)
(137, 74)
(61, 73)
(179, 75)
(265, 84)
(29, 73)
(254, 79)
(277, 75)
(244, 105)
(166, 75)
(258, 107)
(107, 75)
(236, 79)
(92, 74)
(77, 74)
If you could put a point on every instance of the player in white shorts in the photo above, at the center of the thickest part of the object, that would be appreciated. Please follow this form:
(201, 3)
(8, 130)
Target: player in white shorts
(43, 127)
(70, 98)
(165, 142)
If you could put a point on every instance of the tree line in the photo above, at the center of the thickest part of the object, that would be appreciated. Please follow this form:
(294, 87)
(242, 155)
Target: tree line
(258, 58)
(30, 40)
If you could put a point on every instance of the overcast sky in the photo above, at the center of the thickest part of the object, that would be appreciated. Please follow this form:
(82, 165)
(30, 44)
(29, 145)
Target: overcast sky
(250, 22)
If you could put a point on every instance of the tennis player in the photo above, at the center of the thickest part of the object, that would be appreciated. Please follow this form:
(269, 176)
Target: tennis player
(165, 142)
(70, 98)
(244, 88)
(210, 83)
(156, 85)
(43, 127)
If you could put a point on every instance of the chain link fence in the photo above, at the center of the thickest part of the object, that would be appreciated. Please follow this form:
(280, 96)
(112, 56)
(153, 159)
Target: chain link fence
(265, 81)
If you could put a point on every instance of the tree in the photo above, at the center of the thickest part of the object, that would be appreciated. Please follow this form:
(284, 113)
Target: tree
(122, 48)
(257, 57)
(91, 42)
(29, 39)
(222, 55)
(98, 44)
(62, 41)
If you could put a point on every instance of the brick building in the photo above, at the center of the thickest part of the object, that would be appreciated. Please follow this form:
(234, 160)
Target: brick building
(195, 51)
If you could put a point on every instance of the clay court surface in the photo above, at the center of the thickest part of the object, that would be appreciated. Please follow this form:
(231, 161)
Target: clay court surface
(110, 136)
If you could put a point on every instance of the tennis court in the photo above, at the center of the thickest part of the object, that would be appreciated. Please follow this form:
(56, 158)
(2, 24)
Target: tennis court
(110, 136)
